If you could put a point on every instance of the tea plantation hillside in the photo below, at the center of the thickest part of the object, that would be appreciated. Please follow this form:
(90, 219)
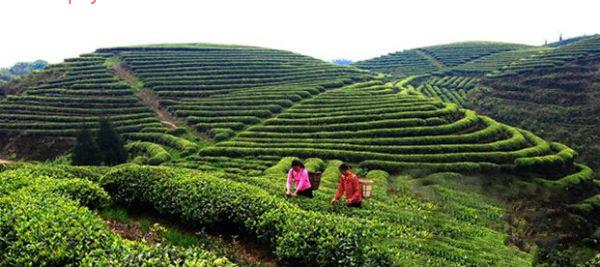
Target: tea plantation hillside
(452, 187)
(430, 59)
(551, 90)
(213, 89)
(374, 124)
(221, 90)
(560, 103)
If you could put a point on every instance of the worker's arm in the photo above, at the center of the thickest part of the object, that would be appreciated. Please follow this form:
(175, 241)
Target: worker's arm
(288, 185)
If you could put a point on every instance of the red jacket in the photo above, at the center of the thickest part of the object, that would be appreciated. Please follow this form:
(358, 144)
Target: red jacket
(351, 185)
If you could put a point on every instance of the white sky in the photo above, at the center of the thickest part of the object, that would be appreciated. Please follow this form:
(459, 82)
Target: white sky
(326, 29)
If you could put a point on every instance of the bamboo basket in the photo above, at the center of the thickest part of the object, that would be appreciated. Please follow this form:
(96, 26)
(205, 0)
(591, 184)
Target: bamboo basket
(315, 179)
(366, 186)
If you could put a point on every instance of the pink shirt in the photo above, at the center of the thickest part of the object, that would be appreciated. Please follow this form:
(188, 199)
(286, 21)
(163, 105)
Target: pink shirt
(300, 179)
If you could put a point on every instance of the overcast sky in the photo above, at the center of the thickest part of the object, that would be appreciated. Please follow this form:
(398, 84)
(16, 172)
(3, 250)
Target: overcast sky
(326, 29)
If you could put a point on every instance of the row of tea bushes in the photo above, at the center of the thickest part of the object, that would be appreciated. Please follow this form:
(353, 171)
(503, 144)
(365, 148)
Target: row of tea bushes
(222, 90)
(391, 135)
(43, 223)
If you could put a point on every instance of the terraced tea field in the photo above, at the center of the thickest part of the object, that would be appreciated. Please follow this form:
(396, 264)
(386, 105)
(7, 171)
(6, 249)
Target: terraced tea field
(223, 90)
(452, 187)
(371, 123)
(87, 91)
(434, 58)
(587, 49)
(450, 89)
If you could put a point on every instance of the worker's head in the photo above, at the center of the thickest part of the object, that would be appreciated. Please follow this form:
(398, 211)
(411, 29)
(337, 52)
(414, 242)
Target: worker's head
(345, 168)
(297, 165)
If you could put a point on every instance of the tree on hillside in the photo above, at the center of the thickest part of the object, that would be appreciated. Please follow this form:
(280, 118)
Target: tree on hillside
(86, 152)
(110, 144)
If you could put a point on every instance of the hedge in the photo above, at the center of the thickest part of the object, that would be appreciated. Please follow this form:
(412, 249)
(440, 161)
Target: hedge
(42, 224)
(469, 120)
(516, 141)
(183, 145)
(203, 200)
(314, 165)
(573, 185)
(282, 166)
(154, 153)
(346, 126)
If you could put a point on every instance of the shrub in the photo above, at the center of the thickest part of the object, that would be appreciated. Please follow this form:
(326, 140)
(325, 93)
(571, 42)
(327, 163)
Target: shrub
(40, 225)
(154, 153)
(282, 166)
(204, 200)
(332, 171)
(570, 186)
(314, 164)
(185, 146)
(87, 193)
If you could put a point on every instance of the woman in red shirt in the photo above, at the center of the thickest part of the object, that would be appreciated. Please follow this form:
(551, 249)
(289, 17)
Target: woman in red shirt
(348, 183)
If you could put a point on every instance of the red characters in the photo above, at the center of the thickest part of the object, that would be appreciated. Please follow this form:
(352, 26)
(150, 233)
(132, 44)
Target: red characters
(93, 2)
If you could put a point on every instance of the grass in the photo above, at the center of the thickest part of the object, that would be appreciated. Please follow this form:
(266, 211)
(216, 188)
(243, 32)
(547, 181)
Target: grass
(117, 214)
(176, 234)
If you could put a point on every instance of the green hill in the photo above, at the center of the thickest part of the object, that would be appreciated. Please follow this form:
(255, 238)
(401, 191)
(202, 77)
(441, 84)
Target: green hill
(537, 88)
(452, 188)
(552, 91)
(433, 58)
(570, 40)
(149, 92)
(560, 103)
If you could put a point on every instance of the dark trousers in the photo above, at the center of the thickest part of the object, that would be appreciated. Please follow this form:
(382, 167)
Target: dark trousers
(306, 193)
(355, 204)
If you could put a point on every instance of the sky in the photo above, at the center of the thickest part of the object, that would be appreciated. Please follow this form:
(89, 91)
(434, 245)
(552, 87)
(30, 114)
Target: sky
(325, 29)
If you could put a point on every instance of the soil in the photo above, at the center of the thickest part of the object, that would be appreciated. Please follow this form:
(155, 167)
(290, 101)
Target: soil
(430, 58)
(244, 251)
(147, 96)
(150, 100)
(33, 147)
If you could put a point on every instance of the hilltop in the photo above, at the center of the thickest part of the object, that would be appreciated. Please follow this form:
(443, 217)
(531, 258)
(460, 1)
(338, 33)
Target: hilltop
(434, 58)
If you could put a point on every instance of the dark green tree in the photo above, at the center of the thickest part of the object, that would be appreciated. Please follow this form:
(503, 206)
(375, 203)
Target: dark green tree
(86, 152)
(111, 146)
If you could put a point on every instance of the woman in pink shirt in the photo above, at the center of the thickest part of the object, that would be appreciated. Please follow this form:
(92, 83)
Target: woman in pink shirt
(299, 177)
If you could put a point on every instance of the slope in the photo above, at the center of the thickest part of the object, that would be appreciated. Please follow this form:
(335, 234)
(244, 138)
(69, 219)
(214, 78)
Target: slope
(561, 103)
(222, 89)
(147, 90)
(434, 58)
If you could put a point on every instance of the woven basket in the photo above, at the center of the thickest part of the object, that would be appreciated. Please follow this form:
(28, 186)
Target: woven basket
(366, 187)
(315, 179)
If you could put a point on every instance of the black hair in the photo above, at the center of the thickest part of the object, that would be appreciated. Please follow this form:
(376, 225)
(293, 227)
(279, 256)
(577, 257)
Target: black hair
(345, 167)
(297, 163)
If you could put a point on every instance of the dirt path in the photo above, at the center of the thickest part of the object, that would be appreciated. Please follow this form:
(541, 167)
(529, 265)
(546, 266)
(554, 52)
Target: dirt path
(150, 100)
(433, 60)
(125, 73)
(2, 161)
(148, 97)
